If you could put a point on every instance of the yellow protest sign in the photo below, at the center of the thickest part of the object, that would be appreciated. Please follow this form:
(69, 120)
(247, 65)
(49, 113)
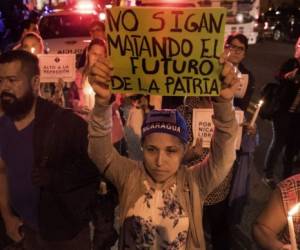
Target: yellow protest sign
(166, 51)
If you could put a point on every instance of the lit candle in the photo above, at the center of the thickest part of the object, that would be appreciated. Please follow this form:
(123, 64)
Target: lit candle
(254, 117)
(292, 212)
(89, 96)
(32, 50)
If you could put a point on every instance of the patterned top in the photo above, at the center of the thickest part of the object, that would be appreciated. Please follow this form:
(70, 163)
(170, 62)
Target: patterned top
(221, 192)
(157, 221)
(290, 193)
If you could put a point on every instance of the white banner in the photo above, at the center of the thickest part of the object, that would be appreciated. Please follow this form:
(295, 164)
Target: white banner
(203, 126)
(57, 66)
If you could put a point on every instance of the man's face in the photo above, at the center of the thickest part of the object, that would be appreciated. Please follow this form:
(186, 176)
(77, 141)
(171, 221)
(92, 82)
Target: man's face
(163, 154)
(237, 52)
(16, 91)
(297, 50)
(97, 32)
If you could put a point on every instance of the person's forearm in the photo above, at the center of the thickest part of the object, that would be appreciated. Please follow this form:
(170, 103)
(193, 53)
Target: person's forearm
(12, 223)
(223, 141)
(100, 136)
(265, 238)
(4, 197)
(222, 150)
(223, 109)
(101, 151)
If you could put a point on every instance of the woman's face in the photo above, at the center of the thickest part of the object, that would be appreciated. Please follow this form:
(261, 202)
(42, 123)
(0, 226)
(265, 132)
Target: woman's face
(163, 154)
(237, 52)
(95, 52)
(32, 45)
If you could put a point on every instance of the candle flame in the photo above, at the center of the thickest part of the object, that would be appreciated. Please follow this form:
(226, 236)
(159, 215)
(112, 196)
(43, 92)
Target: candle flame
(32, 50)
(294, 209)
(260, 103)
(89, 90)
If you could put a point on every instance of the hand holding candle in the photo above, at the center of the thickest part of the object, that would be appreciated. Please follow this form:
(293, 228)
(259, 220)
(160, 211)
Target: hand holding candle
(89, 96)
(254, 117)
(292, 212)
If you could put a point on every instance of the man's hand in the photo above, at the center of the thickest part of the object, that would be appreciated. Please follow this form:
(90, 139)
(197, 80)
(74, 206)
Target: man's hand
(230, 83)
(291, 75)
(250, 130)
(12, 225)
(99, 76)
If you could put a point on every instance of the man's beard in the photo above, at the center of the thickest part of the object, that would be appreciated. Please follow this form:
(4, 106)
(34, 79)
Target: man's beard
(17, 108)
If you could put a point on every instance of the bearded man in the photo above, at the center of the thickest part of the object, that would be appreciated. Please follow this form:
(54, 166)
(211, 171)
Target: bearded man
(47, 181)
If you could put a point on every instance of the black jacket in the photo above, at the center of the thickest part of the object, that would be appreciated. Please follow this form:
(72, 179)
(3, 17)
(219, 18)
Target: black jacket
(62, 169)
(288, 88)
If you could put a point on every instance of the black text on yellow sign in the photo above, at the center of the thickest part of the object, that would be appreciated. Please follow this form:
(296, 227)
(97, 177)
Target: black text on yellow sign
(166, 51)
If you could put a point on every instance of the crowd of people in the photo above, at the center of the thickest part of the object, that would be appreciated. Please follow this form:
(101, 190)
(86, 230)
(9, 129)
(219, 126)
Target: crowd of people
(82, 168)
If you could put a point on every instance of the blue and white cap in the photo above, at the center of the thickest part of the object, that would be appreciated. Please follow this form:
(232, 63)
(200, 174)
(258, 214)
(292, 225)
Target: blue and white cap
(168, 121)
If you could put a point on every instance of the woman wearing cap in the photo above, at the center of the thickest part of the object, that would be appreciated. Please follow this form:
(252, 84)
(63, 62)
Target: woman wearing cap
(160, 200)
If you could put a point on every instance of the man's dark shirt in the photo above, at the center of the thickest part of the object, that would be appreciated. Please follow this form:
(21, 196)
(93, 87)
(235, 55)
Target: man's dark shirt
(17, 153)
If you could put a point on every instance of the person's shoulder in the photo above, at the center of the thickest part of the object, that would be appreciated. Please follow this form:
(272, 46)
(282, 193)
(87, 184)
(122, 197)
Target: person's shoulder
(5, 122)
(291, 62)
(70, 119)
(290, 182)
(3, 119)
(6, 126)
(244, 69)
(63, 116)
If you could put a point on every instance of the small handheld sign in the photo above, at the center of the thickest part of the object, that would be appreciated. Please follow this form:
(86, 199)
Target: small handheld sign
(57, 66)
(203, 126)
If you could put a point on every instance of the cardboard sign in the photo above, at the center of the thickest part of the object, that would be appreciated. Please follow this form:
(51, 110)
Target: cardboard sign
(243, 84)
(56, 66)
(166, 51)
(203, 126)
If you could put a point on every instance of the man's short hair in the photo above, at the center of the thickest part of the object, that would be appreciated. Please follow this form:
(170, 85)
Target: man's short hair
(99, 24)
(29, 61)
(240, 37)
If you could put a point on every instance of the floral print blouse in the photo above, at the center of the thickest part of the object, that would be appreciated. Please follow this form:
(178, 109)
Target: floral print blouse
(157, 221)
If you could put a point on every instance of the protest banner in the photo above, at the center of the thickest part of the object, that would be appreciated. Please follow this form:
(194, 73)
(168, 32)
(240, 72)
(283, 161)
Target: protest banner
(57, 66)
(203, 126)
(166, 51)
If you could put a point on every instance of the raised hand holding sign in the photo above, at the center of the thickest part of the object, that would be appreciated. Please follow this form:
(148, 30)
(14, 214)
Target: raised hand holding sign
(101, 72)
(99, 78)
